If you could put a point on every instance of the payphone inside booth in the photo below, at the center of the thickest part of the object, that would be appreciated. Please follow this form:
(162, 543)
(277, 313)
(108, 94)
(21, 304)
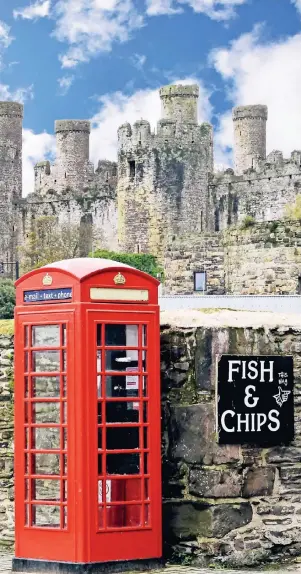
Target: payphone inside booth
(87, 416)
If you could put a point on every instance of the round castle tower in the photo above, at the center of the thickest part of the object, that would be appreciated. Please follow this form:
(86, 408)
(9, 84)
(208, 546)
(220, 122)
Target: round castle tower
(180, 103)
(11, 116)
(249, 136)
(72, 153)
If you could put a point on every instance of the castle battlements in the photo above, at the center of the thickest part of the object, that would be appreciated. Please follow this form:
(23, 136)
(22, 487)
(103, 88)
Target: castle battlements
(163, 184)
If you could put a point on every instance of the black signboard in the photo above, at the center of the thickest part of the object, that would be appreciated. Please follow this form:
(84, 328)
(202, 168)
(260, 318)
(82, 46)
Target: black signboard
(48, 295)
(255, 400)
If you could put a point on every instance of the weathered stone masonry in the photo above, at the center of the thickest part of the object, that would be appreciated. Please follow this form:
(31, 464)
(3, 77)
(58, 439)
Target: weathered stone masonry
(6, 436)
(222, 504)
(225, 505)
(163, 185)
(264, 258)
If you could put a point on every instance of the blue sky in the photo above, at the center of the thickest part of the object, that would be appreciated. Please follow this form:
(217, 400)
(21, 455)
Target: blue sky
(105, 60)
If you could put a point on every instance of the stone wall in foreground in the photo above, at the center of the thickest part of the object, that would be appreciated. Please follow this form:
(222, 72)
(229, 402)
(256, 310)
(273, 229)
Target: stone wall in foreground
(6, 437)
(225, 505)
(222, 505)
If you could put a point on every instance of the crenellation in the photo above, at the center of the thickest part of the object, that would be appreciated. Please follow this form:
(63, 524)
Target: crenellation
(141, 132)
(124, 133)
(166, 128)
(275, 157)
(296, 157)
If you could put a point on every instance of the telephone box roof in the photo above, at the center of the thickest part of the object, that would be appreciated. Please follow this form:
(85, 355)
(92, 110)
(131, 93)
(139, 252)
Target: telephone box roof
(82, 267)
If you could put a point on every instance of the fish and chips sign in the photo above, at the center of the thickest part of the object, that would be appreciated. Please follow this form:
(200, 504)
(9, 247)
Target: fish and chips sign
(255, 402)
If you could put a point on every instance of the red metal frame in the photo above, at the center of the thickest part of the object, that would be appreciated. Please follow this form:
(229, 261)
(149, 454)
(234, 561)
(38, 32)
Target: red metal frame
(91, 525)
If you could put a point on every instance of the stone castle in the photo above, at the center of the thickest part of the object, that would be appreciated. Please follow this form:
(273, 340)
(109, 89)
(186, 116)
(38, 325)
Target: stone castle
(162, 196)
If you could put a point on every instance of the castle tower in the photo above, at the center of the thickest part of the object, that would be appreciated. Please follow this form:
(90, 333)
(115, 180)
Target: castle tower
(11, 116)
(72, 154)
(163, 177)
(179, 103)
(249, 136)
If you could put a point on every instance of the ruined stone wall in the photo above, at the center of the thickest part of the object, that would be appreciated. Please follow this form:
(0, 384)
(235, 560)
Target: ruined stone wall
(262, 194)
(193, 253)
(99, 210)
(263, 258)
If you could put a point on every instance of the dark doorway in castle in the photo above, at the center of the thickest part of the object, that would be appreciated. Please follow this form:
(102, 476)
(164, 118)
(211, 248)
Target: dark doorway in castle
(299, 285)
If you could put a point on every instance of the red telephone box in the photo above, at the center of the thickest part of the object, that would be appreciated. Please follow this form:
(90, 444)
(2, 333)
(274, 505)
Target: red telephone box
(87, 416)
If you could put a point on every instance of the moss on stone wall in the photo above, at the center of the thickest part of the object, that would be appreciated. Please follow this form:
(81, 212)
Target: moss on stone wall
(7, 327)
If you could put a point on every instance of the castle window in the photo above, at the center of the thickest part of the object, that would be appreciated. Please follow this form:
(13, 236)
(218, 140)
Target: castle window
(299, 285)
(65, 175)
(132, 166)
(201, 221)
(114, 171)
(200, 281)
(138, 248)
(107, 176)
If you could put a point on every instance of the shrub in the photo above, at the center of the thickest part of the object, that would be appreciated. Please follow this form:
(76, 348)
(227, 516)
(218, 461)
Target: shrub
(7, 299)
(248, 221)
(293, 211)
(143, 261)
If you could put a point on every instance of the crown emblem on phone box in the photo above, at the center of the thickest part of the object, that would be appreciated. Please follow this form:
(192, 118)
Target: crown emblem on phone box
(47, 280)
(119, 279)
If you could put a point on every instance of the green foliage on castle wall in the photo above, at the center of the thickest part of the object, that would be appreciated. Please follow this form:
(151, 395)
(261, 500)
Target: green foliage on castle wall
(248, 221)
(142, 261)
(7, 299)
(293, 211)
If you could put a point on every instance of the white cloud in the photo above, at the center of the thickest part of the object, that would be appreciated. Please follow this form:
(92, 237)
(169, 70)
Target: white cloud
(297, 3)
(158, 7)
(257, 72)
(91, 26)
(65, 84)
(40, 9)
(117, 108)
(35, 148)
(138, 61)
(215, 9)
(5, 37)
(18, 95)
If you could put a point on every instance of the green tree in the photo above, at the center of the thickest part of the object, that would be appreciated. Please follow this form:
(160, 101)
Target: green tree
(143, 261)
(293, 211)
(49, 241)
(7, 299)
